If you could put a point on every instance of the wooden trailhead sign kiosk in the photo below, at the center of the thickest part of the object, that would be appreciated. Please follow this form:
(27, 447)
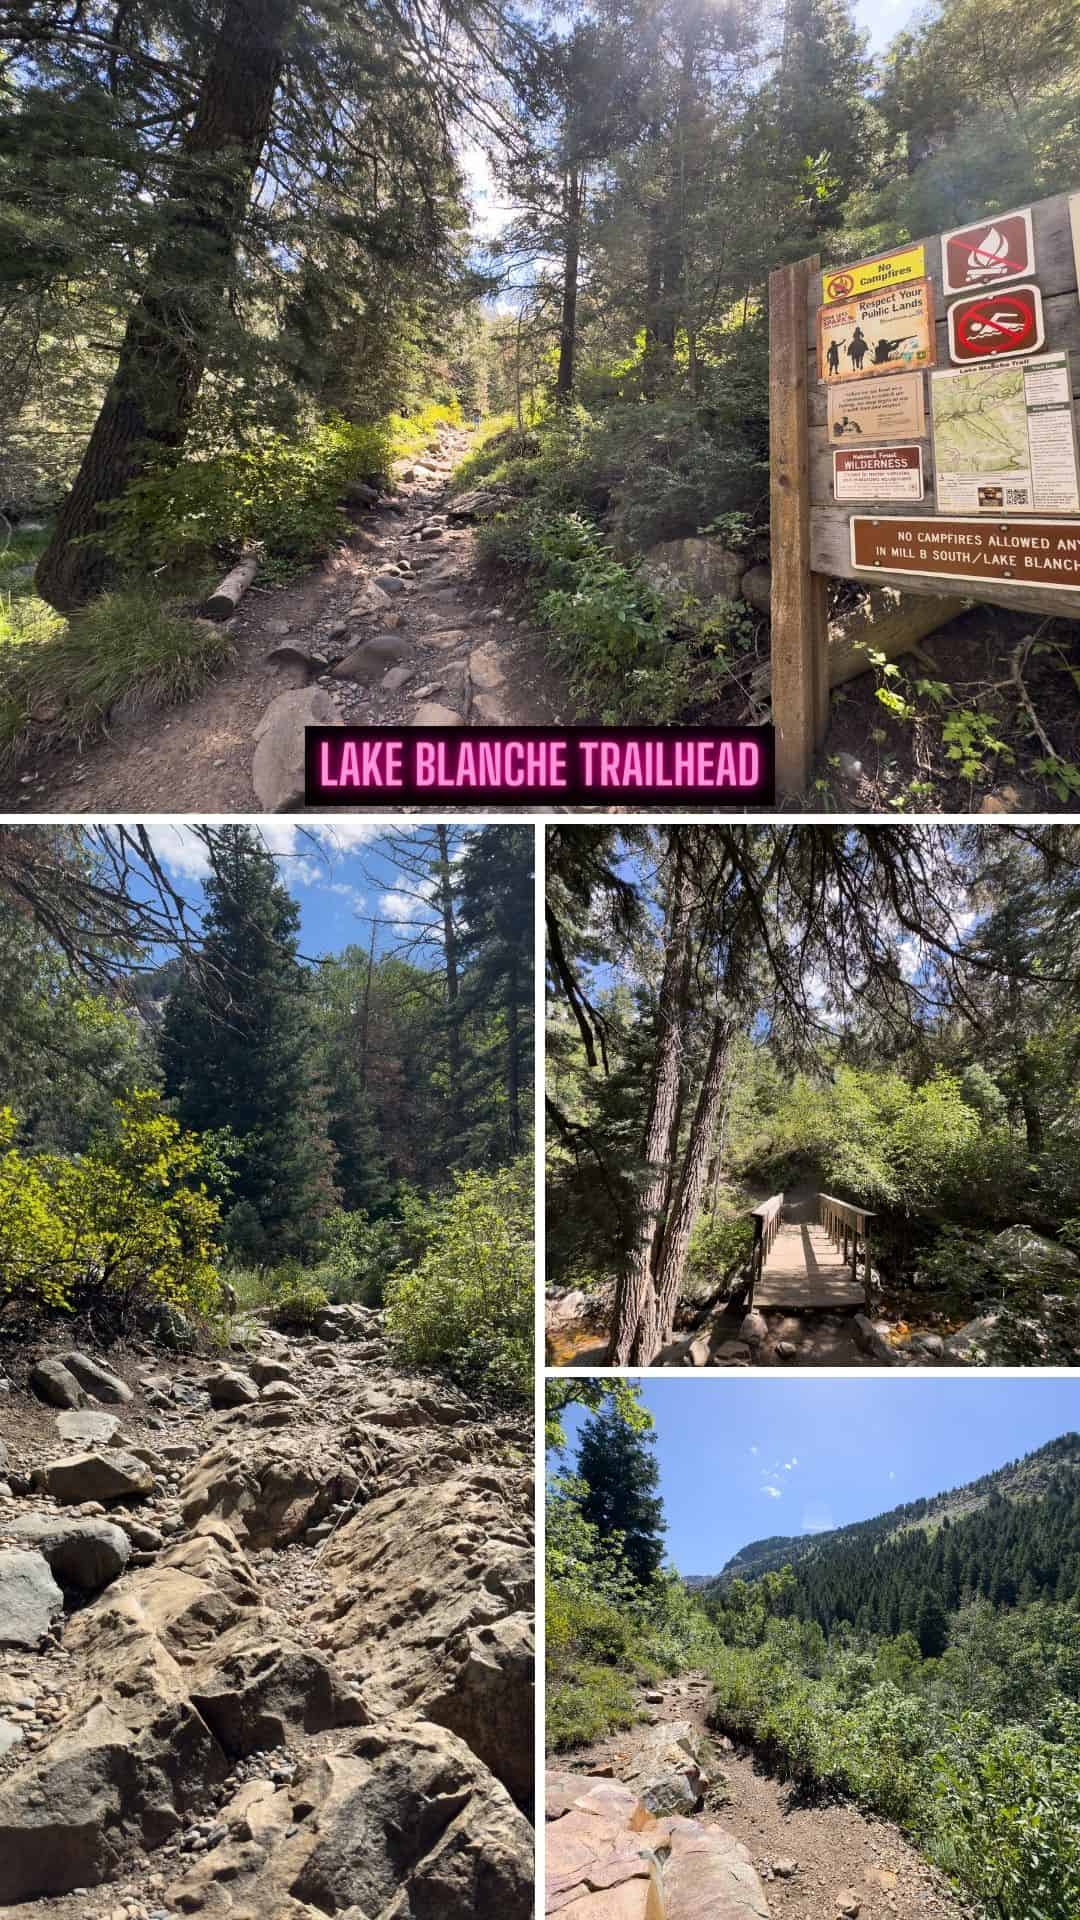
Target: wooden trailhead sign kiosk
(923, 436)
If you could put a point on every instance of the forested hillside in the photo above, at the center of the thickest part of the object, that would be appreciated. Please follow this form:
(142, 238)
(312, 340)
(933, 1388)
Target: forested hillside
(244, 1125)
(881, 1016)
(255, 255)
(1012, 1535)
(927, 1673)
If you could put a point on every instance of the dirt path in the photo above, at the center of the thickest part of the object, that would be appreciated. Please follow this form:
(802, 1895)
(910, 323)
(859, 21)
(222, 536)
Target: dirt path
(835, 1850)
(447, 653)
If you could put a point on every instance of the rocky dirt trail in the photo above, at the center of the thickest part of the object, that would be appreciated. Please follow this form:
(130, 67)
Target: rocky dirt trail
(265, 1636)
(396, 628)
(770, 1856)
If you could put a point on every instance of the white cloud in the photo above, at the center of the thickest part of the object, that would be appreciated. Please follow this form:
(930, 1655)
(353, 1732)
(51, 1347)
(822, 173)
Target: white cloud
(892, 1476)
(788, 1464)
(753, 1450)
(408, 902)
(774, 1493)
(180, 850)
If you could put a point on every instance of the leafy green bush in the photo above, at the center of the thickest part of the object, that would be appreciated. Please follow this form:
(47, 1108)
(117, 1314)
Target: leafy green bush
(125, 652)
(129, 1218)
(360, 1256)
(720, 1247)
(296, 1299)
(590, 1702)
(281, 492)
(467, 1305)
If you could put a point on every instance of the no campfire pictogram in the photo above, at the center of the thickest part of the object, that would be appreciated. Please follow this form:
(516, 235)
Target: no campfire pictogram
(996, 326)
(996, 249)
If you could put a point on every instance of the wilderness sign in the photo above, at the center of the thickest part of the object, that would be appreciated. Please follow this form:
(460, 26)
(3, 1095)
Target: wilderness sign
(890, 409)
(996, 249)
(1044, 553)
(996, 326)
(877, 333)
(869, 276)
(878, 473)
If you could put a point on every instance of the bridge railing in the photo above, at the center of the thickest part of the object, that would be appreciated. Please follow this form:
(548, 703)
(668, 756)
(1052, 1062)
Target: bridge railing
(848, 1228)
(768, 1220)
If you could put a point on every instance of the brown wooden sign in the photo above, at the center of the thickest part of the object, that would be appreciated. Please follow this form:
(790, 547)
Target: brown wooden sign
(1000, 293)
(1043, 553)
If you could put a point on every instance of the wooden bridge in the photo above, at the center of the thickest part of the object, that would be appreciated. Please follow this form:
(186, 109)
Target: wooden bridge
(808, 1249)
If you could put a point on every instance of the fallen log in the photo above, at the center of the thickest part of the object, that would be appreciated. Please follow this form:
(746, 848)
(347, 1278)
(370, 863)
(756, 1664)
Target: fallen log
(227, 596)
(885, 622)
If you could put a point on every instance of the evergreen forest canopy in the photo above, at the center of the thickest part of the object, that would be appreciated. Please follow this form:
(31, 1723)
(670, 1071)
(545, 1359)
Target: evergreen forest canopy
(238, 271)
(198, 1117)
(885, 1013)
(923, 1664)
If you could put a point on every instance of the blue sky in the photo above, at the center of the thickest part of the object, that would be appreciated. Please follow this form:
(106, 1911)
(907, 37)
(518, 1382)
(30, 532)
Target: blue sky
(341, 873)
(831, 1451)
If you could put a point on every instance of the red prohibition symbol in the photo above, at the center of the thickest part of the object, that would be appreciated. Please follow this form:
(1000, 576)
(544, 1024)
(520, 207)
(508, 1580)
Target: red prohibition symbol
(996, 325)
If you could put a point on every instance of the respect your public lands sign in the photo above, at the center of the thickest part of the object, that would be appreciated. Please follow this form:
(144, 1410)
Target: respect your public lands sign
(949, 368)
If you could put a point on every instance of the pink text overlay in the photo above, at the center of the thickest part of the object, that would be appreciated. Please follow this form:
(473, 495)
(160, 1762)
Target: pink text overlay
(477, 766)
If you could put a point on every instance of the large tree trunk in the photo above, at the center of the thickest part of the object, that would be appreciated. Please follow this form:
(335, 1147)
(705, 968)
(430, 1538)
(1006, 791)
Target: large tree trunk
(149, 403)
(450, 961)
(658, 1322)
(575, 196)
(635, 1283)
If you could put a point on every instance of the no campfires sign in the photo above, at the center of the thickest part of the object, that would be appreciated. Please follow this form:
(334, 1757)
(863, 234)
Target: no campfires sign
(996, 326)
(984, 255)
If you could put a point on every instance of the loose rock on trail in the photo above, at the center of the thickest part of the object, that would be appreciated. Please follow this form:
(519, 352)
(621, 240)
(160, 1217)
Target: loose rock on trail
(671, 1822)
(266, 1646)
(396, 628)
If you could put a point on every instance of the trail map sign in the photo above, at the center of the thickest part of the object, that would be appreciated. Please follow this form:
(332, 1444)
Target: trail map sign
(877, 333)
(998, 376)
(996, 326)
(869, 276)
(993, 250)
(1046, 552)
(889, 409)
(1004, 438)
(878, 473)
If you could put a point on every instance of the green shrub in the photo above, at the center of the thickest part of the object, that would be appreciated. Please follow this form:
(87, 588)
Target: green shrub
(467, 1305)
(591, 1702)
(296, 1300)
(126, 651)
(720, 1247)
(360, 1256)
(129, 1218)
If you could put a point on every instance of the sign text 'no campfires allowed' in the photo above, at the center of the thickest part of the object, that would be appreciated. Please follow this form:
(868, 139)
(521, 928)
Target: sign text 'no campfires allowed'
(1043, 553)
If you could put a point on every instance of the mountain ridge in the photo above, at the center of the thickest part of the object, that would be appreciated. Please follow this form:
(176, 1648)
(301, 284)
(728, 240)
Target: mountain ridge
(1025, 1478)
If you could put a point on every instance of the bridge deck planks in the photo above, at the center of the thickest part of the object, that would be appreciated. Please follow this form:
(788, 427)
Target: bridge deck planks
(805, 1270)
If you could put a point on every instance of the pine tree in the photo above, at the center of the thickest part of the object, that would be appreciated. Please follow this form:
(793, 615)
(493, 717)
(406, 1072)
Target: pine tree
(238, 1051)
(618, 1467)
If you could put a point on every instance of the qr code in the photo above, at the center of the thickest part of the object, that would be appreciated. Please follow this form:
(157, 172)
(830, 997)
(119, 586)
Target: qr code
(1016, 496)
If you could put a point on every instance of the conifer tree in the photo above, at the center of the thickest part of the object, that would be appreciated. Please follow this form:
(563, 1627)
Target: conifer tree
(619, 1469)
(238, 1051)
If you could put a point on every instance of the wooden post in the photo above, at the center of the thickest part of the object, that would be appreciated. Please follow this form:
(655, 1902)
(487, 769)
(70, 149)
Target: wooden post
(800, 686)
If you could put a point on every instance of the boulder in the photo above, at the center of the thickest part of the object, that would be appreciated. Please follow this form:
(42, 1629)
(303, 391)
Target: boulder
(97, 1476)
(754, 1329)
(226, 1387)
(969, 1344)
(872, 1337)
(432, 713)
(404, 1824)
(88, 1429)
(98, 1381)
(664, 1771)
(359, 494)
(609, 1858)
(53, 1382)
(268, 1496)
(700, 566)
(258, 1695)
(263, 1371)
(756, 588)
(368, 662)
(83, 1553)
(283, 1392)
(277, 772)
(483, 503)
(1033, 1253)
(370, 599)
(452, 1622)
(30, 1601)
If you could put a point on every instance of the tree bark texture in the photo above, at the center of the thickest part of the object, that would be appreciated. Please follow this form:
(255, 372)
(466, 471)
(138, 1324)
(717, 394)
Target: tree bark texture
(149, 403)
